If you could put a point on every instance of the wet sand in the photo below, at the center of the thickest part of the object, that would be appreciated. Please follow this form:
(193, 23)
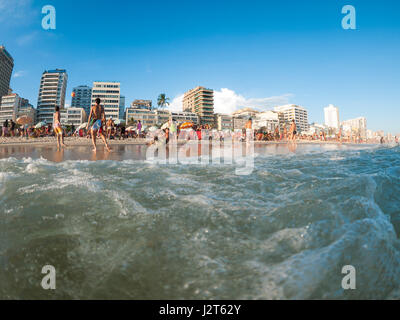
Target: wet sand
(81, 149)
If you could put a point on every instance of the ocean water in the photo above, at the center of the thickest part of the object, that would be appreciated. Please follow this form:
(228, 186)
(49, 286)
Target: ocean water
(133, 229)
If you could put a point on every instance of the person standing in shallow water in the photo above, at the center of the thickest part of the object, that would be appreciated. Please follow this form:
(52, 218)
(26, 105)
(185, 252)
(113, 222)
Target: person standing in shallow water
(293, 130)
(58, 129)
(96, 120)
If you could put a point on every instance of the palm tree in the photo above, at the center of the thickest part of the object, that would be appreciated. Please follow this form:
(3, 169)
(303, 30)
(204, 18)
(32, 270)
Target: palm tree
(131, 122)
(162, 101)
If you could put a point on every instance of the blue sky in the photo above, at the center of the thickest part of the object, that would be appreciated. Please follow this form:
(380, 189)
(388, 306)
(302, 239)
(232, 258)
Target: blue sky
(253, 53)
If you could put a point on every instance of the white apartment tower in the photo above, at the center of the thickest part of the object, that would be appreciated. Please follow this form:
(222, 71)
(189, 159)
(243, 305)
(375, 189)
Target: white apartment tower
(292, 112)
(109, 94)
(332, 117)
(356, 126)
(53, 86)
(9, 106)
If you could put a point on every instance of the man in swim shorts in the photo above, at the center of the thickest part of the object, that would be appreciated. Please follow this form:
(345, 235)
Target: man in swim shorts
(96, 119)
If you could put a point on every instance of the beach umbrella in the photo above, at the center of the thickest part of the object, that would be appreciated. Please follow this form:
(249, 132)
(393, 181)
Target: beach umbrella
(131, 129)
(187, 130)
(24, 120)
(40, 124)
(165, 126)
(186, 125)
(153, 129)
(82, 126)
(119, 121)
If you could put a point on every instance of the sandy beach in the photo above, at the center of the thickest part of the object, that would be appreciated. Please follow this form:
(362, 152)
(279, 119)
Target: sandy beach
(78, 141)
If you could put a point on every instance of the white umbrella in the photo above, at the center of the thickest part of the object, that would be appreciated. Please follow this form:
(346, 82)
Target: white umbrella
(82, 126)
(119, 121)
(165, 126)
(153, 129)
(40, 124)
(131, 129)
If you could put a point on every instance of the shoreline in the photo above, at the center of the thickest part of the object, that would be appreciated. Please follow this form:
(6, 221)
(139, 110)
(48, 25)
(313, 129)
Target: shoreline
(79, 142)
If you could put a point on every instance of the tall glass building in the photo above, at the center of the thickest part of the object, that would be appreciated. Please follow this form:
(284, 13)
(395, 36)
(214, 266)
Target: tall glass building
(6, 68)
(81, 98)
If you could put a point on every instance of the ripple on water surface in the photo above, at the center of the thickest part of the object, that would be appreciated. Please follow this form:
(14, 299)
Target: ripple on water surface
(136, 230)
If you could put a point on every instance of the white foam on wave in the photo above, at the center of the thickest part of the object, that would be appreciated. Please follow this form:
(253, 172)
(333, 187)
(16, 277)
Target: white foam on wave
(367, 243)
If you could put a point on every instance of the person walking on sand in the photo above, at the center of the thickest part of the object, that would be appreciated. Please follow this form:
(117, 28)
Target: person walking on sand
(139, 128)
(5, 127)
(12, 128)
(57, 129)
(96, 119)
(293, 130)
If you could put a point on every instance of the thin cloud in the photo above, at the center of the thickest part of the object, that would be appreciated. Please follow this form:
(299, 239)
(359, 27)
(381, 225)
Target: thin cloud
(19, 74)
(26, 39)
(13, 12)
(227, 101)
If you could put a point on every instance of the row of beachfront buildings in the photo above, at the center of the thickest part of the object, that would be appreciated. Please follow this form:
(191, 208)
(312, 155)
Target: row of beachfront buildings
(197, 107)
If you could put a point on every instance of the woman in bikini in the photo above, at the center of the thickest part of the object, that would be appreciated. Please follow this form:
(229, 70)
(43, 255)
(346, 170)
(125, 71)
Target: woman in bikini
(96, 119)
(58, 129)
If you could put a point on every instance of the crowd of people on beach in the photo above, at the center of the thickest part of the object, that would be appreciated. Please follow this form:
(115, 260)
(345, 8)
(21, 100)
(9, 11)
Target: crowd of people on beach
(99, 127)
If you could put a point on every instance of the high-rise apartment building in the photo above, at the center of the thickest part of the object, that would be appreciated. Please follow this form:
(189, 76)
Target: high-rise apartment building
(26, 109)
(109, 94)
(75, 116)
(356, 126)
(6, 68)
(200, 101)
(12, 107)
(9, 106)
(142, 104)
(332, 117)
(268, 120)
(246, 113)
(81, 98)
(291, 112)
(223, 122)
(122, 107)
(53, 86)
